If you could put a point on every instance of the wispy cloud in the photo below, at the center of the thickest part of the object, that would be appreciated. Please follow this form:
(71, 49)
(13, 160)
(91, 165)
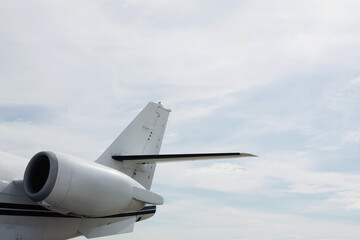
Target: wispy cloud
(24, 113)
(353, 136)
(272, 175)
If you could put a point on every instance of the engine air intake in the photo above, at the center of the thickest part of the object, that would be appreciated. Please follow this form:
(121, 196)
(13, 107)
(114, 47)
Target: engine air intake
(40, 176)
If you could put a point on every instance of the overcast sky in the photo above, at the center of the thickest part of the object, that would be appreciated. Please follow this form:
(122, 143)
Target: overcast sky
(279, 79)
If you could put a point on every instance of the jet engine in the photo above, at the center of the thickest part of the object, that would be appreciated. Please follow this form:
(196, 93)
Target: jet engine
(70, 185)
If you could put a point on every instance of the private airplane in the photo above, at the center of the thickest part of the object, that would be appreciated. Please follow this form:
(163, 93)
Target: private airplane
(55, 196)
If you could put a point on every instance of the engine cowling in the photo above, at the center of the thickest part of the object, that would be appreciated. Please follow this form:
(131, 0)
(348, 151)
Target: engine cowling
(66, 184)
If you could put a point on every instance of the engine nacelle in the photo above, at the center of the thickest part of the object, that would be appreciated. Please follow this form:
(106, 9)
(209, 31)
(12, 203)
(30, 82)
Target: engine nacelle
(66, 184)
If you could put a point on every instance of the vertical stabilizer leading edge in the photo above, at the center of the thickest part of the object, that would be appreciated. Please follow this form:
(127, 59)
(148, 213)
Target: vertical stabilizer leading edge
(143, 136)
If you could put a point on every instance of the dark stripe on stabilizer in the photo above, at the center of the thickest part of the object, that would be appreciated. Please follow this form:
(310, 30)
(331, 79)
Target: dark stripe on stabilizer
(174, 156)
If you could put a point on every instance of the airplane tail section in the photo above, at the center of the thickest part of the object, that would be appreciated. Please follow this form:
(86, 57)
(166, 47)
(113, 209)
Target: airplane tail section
(143, 136)
(136, 150)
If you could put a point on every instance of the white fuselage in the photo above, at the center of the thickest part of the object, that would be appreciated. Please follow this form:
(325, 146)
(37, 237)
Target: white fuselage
(21, 218)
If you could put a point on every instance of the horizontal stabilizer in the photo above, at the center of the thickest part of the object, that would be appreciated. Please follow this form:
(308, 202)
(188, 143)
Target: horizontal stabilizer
(178, 157)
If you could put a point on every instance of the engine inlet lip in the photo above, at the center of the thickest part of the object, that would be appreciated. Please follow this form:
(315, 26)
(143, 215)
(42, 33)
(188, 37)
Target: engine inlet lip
(46, 189)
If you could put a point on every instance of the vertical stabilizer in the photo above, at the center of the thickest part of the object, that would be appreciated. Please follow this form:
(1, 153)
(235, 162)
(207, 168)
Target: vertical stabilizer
(143, 136)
